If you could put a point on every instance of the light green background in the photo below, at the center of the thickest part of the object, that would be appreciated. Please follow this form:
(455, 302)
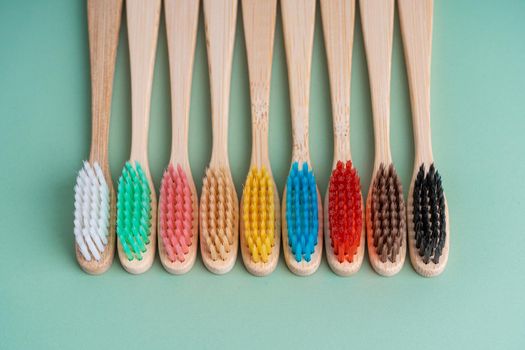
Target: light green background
(478, 100)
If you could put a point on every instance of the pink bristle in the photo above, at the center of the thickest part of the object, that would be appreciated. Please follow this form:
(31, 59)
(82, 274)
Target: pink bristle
(176, 214)
(164, 219)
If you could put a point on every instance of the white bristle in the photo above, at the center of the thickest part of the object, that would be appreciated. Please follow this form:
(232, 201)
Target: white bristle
(91, 211)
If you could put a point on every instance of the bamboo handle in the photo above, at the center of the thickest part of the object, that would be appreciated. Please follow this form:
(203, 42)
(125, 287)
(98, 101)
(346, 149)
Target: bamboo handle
(182, 17)
(338, 27)
(143, 28)
(103, 26)
(377, 18)
(259, 29)
(416, 29)
(219, 20)
(298, 27)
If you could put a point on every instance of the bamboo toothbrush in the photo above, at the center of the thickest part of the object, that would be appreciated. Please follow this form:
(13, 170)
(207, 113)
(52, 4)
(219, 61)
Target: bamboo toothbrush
(428, 227)
(178, 207)
(301, 209)
(344, 216)
(94, 195)
(260, 224)
(219, 207)
(385, 207)
(136, 200)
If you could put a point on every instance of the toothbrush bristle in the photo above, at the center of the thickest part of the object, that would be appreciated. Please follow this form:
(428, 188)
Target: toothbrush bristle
(388, 214)
(91, 212)
(301, 212)
(133, 211)
(258, 214)
(218, 213)
(344, 211)
(176, 213)
(429, 214)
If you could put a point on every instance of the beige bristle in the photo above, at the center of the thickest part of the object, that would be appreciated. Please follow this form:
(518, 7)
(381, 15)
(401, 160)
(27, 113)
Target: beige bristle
(218, 213)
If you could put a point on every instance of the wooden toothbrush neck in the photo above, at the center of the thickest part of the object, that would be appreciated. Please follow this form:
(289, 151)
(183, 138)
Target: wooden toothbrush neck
(143, 27)
(260, 106)
(259, 29)
(181, 27)
(382, 140)
(99, 154)
(300, 137)
(139, 153)
(220, 19)
(220, 140)
(103, 26)
(338, 28)
(179, 137)
(382, 155)
(341, 125)
(219, 158)
(139, 132)
(100, 132)
(416, 31)
(377, 19)
(298, 28)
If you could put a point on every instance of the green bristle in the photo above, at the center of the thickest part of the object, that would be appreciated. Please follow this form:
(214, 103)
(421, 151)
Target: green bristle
(133, 211)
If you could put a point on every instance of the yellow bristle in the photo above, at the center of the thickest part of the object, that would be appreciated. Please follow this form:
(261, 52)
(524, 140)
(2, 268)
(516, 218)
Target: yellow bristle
(258, 214)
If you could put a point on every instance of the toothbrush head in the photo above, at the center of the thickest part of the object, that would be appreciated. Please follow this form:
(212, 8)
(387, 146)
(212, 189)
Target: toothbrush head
(218, 214)
(388, 218)
(258, 214)
(176, 213)
(92, 207)
(301, 212)
(429, 216)
(345, 212)
(134, 211)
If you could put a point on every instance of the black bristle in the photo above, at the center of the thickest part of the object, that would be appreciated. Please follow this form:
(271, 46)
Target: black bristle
(429, 214)
(417, 204)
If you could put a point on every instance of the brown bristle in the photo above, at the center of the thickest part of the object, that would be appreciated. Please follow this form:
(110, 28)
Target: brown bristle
(388, 214)
(218, 213)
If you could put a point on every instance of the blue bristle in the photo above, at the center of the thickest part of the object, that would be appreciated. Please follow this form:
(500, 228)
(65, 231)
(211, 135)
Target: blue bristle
(298, 252)
(307, 255)
(301, 212)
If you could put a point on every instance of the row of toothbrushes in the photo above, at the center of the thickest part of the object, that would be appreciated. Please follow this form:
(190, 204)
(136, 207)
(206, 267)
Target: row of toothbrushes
(180, 221)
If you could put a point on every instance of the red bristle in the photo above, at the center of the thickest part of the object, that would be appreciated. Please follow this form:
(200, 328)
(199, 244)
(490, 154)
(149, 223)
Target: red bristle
(176, 214)
(344, 211)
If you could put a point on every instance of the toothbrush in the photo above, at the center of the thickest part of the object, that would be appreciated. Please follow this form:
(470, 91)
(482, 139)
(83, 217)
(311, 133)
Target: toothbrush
(178, 206)
(219, 207)
(344, 216)
(301, 209)
(260, 224)
(94, 195)
(136, 199)
(428, 226)
(385, 207)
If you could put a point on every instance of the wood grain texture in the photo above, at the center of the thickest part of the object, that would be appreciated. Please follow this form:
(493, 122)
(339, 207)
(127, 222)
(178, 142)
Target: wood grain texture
(219, 24)
(338, 26)
(298, 28)
(182, 17)
(143, 27)
(104, 18)
(416, 30)
(377, 18)
(259, 29)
